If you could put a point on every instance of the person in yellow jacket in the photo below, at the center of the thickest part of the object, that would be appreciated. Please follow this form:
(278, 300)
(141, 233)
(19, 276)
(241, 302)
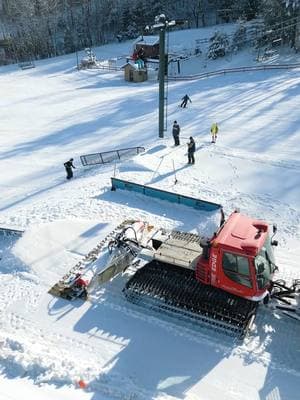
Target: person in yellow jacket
(214, 132)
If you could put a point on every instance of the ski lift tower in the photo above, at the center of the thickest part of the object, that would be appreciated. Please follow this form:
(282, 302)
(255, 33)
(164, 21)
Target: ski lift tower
(162, 25)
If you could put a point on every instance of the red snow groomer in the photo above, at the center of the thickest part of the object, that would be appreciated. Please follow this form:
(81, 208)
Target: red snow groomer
(219, 281)
(239, 259)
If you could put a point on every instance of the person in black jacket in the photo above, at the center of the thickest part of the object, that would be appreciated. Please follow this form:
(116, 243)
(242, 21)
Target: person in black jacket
(141, 53)
(176, 131)
(191, 150)
(68, 166)
(185, 99)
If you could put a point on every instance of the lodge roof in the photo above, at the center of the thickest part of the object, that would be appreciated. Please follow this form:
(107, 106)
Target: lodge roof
(147, 40)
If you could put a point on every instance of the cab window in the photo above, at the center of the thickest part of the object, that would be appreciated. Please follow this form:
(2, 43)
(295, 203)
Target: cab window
(263, 268)
(237, 269)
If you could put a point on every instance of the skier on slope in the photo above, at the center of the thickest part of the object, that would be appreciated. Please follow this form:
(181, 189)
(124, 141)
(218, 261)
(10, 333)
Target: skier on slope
(185, 99)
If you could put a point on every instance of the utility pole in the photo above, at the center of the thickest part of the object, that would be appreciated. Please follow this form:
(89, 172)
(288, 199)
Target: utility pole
(161, 25)
(162, 71)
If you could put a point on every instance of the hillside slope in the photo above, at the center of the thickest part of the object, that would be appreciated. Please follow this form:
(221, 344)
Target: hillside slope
(53, 112)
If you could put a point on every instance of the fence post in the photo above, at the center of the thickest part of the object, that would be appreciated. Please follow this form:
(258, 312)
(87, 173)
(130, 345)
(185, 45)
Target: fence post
(113, 188)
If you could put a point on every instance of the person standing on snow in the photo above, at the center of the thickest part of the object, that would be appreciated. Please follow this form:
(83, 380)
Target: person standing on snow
(142, 54)
(176, 131)
(214, 132)
(191, 150)
(68, 166)
(185, 99)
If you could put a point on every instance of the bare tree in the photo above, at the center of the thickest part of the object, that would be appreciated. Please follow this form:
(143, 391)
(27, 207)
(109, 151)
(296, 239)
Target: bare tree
(196, 11)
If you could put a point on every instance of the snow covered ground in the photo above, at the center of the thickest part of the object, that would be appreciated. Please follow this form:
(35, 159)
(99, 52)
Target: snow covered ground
(53, 112)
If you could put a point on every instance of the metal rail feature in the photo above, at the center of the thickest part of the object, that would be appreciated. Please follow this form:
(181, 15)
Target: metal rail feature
(110, 156)
(199, 204)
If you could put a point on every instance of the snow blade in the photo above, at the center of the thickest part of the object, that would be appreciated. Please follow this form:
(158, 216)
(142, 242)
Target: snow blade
(122, 256)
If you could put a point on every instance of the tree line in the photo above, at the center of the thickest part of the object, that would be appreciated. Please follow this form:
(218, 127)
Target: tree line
(47, 28)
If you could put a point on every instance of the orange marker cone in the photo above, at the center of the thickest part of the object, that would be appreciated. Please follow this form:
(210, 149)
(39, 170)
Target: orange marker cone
(82, 384)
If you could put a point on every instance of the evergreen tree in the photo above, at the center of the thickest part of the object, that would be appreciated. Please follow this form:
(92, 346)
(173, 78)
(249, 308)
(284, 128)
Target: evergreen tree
(248, 9)
(281, 21)
(45, 28)
(128, 27)
(239, 37)
(219, 45)
(227, 10)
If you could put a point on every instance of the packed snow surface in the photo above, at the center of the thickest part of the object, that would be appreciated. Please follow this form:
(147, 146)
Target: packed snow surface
(54, 112)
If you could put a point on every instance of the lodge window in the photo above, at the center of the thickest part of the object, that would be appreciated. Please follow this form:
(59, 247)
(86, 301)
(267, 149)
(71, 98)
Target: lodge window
(237, 269)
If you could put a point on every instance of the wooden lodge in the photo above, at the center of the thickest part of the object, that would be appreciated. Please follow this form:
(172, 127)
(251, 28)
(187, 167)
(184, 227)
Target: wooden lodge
(149, 45)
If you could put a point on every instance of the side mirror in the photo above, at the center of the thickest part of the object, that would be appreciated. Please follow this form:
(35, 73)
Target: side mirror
(260, 268)
(274, 242)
